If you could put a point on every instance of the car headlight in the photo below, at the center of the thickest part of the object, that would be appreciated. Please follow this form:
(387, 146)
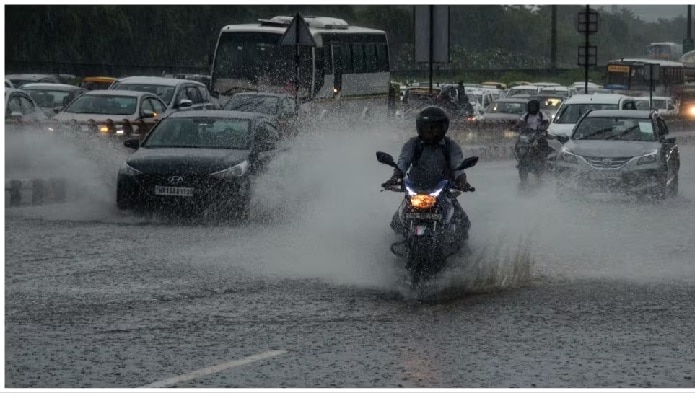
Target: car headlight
(691, 111)
(648, 158)
(567, 156)
(127, 170)
(233, 172)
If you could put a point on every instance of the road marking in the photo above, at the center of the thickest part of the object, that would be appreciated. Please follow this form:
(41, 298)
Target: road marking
(214, 369)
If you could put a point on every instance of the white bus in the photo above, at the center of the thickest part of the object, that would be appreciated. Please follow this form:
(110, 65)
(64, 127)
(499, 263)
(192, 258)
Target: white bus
(665, 51)
(348, 61)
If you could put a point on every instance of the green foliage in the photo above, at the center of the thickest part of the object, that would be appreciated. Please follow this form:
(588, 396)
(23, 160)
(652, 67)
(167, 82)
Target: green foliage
(482, 36)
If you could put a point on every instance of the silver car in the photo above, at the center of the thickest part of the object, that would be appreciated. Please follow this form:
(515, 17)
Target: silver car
(619, 150)
(111, 112)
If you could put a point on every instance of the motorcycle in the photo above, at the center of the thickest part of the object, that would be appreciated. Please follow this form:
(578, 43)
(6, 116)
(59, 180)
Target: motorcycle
(532, 153)
(432, 228)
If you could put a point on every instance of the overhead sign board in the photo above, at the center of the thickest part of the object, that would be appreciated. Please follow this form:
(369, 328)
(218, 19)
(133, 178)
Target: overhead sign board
(587, 22)
(582, 59)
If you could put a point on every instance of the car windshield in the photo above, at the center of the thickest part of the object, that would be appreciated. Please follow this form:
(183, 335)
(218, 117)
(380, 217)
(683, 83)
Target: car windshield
(570, 113)
(612, 128)
(265, 104)
(104, 105)
(162, 91)
(200, 132)
(48, 98)
(95, 85)
(517, 108)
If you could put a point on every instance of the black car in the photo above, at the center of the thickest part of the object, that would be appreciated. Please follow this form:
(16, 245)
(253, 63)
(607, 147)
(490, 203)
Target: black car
(281, 107)
(197, 161)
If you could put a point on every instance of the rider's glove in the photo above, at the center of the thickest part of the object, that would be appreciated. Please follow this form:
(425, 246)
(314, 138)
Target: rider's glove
(395, 178)
(462, 183)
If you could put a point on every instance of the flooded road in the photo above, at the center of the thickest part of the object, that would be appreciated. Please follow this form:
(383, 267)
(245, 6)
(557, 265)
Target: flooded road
(578, 294)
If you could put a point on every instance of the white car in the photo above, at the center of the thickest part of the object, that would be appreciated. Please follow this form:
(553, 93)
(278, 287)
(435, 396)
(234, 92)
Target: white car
(663, 105)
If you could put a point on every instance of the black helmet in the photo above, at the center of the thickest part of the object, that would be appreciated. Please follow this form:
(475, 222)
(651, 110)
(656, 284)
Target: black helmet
(429, 116)
(533, 107)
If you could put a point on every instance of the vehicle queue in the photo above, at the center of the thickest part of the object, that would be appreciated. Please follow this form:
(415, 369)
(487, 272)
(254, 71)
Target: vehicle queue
(350, 63)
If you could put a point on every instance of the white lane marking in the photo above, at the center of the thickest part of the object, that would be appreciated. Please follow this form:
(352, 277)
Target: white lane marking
(214, 369)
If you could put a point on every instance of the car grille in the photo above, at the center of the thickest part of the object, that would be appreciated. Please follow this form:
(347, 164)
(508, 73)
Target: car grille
(607, 162)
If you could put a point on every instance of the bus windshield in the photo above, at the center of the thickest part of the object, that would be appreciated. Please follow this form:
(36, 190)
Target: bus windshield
(257, 56)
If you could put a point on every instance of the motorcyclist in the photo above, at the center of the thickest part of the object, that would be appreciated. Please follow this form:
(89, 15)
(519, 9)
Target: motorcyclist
(424, 159)
(533, 119)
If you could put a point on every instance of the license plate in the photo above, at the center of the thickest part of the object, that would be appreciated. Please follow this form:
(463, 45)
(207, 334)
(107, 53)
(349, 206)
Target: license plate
(85, 127)
(604, 176)
(173, 191)
(424, 216)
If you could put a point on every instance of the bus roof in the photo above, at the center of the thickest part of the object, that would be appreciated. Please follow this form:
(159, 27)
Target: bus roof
(317, 25)
(645, 61)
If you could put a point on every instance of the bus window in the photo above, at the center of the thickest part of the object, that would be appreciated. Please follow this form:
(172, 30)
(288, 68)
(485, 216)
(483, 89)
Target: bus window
(382, 57)
(370, 58)
(358, 63)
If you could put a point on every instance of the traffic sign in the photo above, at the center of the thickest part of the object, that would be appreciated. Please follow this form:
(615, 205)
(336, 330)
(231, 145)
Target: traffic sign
(297, 34)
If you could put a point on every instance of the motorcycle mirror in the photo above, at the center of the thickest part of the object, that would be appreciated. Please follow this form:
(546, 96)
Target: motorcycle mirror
(385, 158)
(468, 163)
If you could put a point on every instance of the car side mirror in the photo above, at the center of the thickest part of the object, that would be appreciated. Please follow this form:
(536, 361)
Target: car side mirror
(185, 103)
(57, 109)
(671, 107)
(147, 114)
(133, 143)
(562, 138)
(264, 146)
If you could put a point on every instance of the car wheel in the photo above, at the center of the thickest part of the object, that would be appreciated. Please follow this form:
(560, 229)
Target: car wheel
(673, 188)
(123, 201)
(243, 204)
(562, 191)
(523, 175)
(661, 190)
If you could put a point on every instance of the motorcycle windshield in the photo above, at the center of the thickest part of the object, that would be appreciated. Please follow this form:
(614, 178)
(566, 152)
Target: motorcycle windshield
(415, 187)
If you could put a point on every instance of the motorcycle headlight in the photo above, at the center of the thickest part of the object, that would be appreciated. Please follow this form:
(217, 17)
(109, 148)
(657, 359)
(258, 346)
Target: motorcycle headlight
(567, 156)
(127, 170)
(423, 201)
(648, 158)
(233, 172)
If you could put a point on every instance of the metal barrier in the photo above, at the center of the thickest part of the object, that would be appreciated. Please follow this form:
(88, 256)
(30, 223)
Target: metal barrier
(34, 192)
(106, 128)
